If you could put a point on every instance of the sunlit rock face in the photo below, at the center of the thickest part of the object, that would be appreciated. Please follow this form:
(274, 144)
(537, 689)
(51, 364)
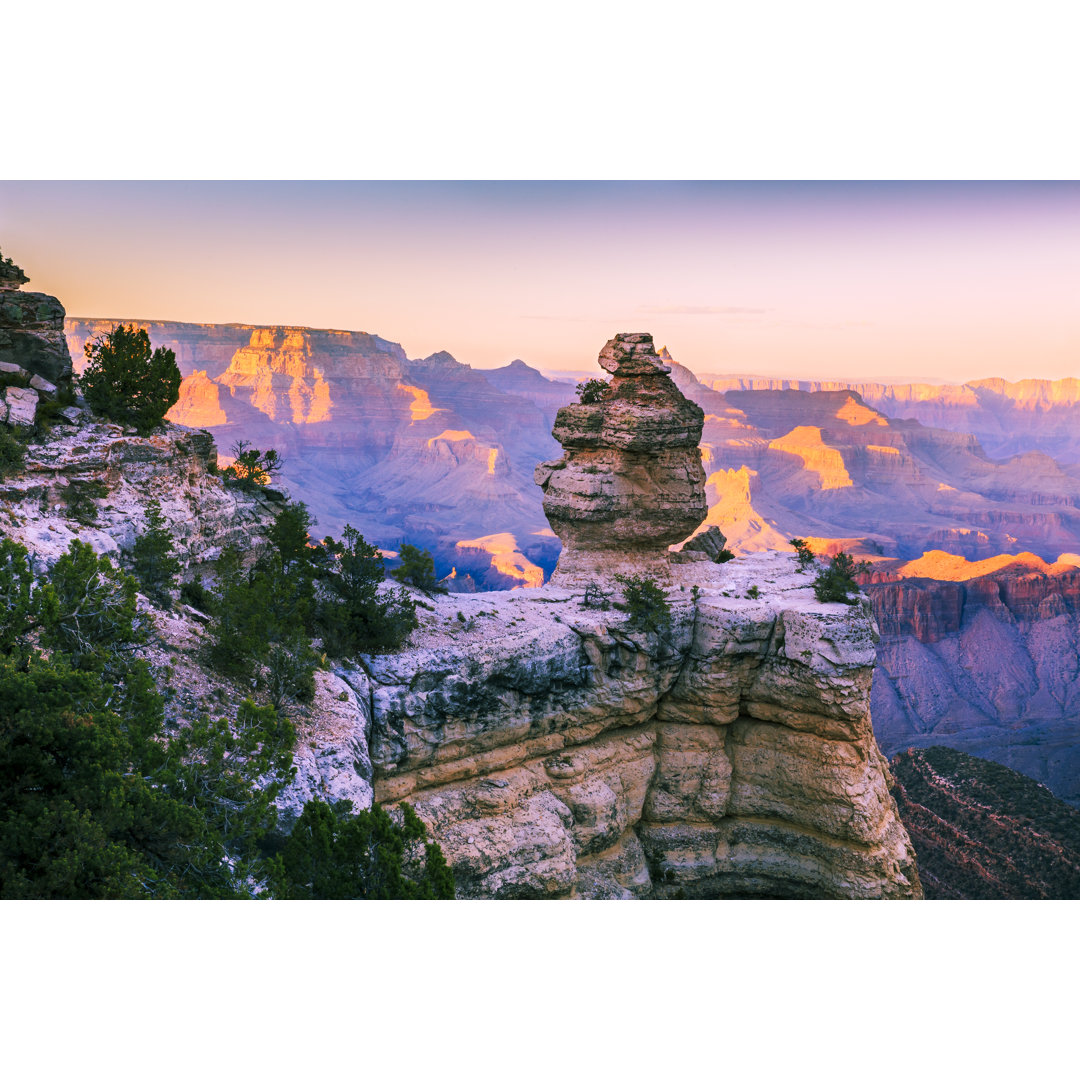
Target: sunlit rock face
(630, 482)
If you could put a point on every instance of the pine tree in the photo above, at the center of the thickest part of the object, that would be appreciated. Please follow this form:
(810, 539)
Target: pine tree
(153, 556)
(417, 569)
(127, 382)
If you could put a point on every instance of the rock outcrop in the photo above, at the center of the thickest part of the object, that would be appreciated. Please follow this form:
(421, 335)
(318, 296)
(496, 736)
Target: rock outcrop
(984, 664)
(32, 333)
(555, 751)
(92, 482)
(630, 482)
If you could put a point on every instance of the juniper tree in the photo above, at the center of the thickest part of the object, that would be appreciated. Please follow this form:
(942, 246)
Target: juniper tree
(154, 556)
(126, 381)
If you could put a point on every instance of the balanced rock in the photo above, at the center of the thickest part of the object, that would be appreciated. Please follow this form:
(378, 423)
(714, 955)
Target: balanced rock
(630, 482)
(32, 329)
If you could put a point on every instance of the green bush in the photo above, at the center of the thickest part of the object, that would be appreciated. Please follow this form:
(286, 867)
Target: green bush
(195, 594)
(645, 602)
(835, 581)
(290, 533)
(417, 569)
(333, 854)
(592, 391)
(153, 556)
(90, 611)
(357, 616)
(253, 469)
(802, 552)
(12, 453)
(81, 498)
(96, 801)
(128, 383)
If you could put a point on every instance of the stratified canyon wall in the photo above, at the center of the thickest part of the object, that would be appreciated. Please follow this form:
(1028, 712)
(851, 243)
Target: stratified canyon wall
(556, 751)
(427, 452)
(988, 664)
(1007, 418)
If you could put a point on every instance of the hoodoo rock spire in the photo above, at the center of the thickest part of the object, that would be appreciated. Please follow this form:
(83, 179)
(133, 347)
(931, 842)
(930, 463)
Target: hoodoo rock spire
(630, 481)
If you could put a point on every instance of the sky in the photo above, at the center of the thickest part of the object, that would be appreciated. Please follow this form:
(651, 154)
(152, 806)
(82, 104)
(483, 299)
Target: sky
(920, 281)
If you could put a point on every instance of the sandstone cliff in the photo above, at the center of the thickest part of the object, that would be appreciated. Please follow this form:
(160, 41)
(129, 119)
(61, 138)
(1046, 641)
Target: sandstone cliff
(986, 664)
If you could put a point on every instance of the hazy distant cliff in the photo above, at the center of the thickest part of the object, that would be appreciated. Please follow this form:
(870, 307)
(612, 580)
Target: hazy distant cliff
(423, 451)
(1006, 417)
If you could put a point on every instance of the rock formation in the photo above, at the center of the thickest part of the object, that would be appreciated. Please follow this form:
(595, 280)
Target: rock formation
(556, 751)
(32, 330)
(111, 477)
(630, 482)
(985, 664)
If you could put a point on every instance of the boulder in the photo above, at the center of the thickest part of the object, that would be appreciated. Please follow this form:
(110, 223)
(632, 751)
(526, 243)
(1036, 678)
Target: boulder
(32, 330)
(21, 406)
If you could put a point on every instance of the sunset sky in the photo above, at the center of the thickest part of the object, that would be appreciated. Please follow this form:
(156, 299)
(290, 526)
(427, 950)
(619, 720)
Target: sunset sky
(946, 281)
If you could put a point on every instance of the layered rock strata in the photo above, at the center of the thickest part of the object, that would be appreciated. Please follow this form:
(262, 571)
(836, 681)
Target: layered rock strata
(555, 751)
(630, 481)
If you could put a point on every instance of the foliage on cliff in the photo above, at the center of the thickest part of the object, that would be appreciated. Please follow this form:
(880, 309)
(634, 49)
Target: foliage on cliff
(645, 602)
(100, 799)
(154, 555)
(417, 569)
(836, 582)
(95, 800)
(332, 854)
(127, 382)
(984, 832)
(252, 468)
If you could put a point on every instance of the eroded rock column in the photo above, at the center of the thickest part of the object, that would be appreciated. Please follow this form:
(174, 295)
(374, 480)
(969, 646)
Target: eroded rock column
(630, 481)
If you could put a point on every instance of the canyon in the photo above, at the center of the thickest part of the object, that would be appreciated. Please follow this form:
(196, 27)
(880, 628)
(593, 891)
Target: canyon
(555, 745)
(1007, 418)
(434, 453)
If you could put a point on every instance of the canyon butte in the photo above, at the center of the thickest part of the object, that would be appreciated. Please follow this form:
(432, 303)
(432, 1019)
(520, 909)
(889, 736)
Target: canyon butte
(557, 749)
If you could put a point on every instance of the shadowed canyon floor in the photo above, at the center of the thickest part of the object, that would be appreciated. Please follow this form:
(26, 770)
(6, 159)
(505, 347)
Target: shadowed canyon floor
(984, 832)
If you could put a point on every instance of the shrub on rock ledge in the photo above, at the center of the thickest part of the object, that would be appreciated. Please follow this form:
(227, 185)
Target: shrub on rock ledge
(128, 383)
(835, 581)
(645, 603)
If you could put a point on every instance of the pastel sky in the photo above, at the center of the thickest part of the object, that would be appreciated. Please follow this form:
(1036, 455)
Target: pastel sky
(947, 281)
